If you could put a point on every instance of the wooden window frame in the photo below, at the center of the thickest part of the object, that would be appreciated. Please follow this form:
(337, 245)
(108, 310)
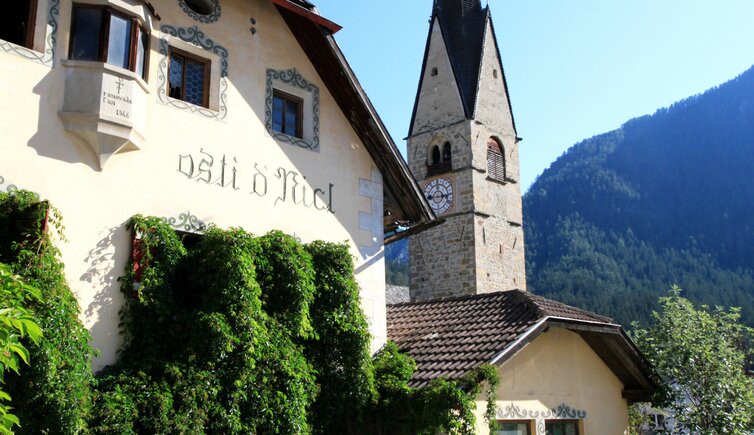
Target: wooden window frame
(577, 423)
(299, 116)
(104, 35)
(205, 80)
(528, 424)
(31, 25)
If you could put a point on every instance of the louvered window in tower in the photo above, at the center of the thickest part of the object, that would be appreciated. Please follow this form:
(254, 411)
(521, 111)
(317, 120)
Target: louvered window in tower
(495, 160)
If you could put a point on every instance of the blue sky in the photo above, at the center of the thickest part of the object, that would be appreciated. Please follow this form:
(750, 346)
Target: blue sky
(574, 68)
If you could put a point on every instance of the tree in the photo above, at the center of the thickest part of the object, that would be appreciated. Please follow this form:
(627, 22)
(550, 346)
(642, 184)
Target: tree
(700, 356)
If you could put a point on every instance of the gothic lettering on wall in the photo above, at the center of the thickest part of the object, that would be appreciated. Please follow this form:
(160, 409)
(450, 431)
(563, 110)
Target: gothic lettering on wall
(282, 185)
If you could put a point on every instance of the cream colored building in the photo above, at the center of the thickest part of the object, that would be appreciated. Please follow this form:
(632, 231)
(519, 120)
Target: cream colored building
(562, 370)
(228, 112)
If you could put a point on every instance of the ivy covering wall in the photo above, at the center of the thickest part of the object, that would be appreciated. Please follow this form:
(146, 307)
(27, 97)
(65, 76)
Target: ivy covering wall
(227, 333)
(52, 394)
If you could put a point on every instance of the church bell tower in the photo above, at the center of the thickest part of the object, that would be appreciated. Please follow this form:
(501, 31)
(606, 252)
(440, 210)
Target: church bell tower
(463, 151)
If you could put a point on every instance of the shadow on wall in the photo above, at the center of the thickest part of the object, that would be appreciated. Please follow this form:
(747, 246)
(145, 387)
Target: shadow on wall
(46, 141)
(105, 267)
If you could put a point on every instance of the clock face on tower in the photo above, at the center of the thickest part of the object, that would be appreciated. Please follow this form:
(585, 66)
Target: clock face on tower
(439, 194)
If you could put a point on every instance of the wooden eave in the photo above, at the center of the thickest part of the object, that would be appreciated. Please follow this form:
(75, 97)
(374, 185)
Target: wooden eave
(309, 15)
(403, 200)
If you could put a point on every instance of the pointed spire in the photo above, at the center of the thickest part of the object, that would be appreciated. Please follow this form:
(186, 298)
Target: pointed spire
(461, 7)
(463, 24)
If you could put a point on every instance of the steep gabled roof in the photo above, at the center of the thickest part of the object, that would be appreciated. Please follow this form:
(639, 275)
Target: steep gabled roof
(449, 337)
(403, 201)
(463, 23)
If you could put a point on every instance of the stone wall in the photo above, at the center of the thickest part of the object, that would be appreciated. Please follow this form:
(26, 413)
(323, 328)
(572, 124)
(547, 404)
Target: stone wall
(442, 260)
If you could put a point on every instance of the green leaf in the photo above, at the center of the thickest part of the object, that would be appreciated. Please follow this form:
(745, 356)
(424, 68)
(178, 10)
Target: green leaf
(20, 351)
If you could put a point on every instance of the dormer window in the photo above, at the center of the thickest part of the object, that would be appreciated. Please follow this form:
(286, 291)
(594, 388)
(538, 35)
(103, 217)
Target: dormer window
(17, 22)
(433, 72)
(102, 34)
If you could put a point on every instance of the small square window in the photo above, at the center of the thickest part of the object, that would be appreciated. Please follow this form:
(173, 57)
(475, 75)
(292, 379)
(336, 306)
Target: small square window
(287, 114)
(291, 109)
(188, 78)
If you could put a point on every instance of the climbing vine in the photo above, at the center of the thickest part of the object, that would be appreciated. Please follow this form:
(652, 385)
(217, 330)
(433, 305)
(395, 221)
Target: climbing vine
(53, 394)
(238, 333)
(223, 333)
(442, 406)
(15, 324)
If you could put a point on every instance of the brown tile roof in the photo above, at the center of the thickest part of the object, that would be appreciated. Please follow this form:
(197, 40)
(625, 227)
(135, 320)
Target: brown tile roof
(448, 337)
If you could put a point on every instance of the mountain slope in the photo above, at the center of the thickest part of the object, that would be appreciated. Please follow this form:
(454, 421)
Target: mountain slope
(666, 198)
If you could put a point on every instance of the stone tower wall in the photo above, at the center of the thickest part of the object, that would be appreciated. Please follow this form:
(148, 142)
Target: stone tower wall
(439, 102)
(442, 260)
(500, 237)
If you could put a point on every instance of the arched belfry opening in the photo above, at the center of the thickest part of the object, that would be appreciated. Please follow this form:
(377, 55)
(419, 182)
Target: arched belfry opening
(440, 158)
(435, 160)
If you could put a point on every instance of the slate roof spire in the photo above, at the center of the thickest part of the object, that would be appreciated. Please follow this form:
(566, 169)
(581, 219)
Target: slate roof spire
(463, 25)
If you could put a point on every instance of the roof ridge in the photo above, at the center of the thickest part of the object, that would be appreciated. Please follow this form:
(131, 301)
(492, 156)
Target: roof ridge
(564, 305)
(456, 298)
(526, 298)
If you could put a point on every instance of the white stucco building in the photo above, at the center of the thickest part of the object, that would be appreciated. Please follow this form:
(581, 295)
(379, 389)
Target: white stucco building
(232, 112)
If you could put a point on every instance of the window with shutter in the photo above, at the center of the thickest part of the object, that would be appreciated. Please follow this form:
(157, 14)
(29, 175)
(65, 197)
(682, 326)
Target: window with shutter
(495, 160)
